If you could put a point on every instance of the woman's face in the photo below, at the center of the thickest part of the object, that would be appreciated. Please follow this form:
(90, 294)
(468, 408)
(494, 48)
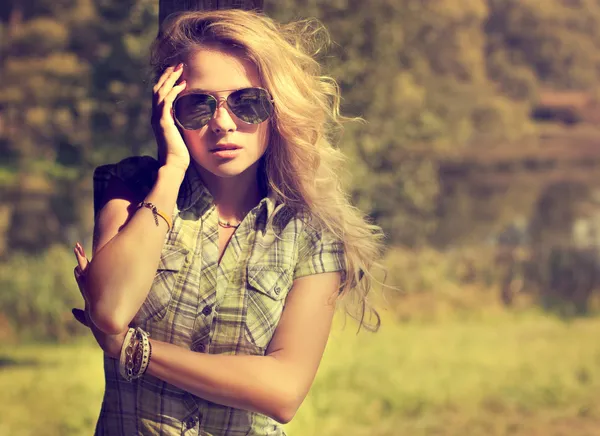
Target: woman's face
(218, 72)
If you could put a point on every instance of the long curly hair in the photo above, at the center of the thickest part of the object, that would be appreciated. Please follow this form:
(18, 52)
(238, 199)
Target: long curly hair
(302, 166)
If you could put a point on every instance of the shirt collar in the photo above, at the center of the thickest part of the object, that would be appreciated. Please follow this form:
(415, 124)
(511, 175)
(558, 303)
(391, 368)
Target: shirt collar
(193, 195)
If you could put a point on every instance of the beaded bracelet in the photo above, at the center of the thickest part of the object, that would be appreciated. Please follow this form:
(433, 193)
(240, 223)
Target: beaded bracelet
(156, 213)
(145, 352)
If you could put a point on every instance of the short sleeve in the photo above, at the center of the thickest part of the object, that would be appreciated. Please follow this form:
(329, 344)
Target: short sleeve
(138, 173)
(319, 252)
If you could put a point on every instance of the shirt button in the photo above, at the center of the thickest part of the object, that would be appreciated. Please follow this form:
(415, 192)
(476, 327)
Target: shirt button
(207, 310)
(277, 290)
(202, 348)
(191, 422)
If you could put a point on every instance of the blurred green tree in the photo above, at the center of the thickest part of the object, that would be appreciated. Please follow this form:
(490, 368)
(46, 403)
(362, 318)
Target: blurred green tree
(554, 41)
(429, 76)
(417, 72)
(73, 95)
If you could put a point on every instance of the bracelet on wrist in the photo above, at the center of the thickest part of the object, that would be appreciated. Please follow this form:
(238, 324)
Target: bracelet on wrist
(135, 354)
(156, 213)
(126, 353)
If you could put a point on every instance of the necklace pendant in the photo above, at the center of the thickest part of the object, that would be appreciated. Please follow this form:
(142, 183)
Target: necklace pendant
(226, 225)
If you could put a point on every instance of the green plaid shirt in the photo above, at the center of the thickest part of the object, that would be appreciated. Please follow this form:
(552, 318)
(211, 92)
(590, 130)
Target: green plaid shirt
(195, 302)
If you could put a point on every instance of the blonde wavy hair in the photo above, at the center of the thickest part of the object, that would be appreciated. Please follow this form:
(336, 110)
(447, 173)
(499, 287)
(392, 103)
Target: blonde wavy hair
(302, 167)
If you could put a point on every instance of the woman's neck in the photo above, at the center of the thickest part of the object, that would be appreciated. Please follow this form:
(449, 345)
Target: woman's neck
(234, 196)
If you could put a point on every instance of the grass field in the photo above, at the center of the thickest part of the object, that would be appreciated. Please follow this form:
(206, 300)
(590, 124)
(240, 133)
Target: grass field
(502, 374)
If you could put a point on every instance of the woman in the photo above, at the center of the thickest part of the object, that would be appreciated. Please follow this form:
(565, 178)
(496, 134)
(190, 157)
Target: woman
(232, 248)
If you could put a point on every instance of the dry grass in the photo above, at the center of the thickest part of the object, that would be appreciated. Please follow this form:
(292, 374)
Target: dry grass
(495, 374)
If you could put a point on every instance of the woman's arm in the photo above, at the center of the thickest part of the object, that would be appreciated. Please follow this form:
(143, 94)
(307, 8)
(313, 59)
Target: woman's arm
(127, 247)
(127, 243)
(274, 385)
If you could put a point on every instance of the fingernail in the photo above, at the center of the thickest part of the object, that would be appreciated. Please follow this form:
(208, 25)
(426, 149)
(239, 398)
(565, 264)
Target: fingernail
(178, 67)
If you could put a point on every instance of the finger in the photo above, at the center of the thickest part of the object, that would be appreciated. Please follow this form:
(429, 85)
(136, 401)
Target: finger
(80, 279)
(162, 78)
(77, 273)
(80, 256)
(79, 249)
(170, 98)
(168, 85)
(80, 273)
(80, 316)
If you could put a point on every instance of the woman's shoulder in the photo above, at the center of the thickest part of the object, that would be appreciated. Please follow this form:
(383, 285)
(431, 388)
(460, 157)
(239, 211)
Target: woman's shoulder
(319, 249)
(137, 173)
(304, 225)
(130, 167)
(310, 234)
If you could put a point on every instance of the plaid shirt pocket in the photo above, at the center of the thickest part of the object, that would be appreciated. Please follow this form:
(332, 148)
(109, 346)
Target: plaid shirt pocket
(159, 297)
(267, 287)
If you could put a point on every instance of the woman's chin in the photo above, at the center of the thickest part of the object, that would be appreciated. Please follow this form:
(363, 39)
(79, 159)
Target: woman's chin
(228, 169)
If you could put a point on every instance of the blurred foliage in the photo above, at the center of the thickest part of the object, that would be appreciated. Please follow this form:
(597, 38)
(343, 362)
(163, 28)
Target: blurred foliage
(417, 72)
(74, 76)
(38, 293)
(433, 79)
(555, 40)
(428, 76)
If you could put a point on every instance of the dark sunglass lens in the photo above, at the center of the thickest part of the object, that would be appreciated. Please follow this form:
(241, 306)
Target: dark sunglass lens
(251, 105)
(194, 111)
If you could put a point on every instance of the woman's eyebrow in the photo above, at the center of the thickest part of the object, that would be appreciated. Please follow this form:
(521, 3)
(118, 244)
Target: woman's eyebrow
(205, 91)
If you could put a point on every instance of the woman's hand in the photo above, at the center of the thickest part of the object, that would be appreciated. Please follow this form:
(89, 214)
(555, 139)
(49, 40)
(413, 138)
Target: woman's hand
(111, 344)
(171, 147)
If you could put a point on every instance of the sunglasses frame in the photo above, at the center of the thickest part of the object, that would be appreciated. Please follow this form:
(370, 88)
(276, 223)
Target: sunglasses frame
(226, 101)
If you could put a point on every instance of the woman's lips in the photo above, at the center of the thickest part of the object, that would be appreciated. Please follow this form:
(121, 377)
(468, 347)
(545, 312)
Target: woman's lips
(226, 151)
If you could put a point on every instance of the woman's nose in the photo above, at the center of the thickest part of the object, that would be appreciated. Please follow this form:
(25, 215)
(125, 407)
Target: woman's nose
(223, 120)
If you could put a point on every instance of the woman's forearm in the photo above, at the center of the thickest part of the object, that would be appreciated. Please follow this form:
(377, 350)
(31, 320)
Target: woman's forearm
(121, 272)
(263, 384)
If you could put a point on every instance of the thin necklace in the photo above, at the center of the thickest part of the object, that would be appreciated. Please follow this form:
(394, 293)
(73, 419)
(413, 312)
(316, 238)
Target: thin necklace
(226, 225)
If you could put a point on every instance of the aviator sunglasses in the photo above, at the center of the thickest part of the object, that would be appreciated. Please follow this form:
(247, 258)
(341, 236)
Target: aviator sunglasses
(194, 110)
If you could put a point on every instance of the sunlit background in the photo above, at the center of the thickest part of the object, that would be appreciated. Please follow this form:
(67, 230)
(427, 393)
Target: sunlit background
(480, 159)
